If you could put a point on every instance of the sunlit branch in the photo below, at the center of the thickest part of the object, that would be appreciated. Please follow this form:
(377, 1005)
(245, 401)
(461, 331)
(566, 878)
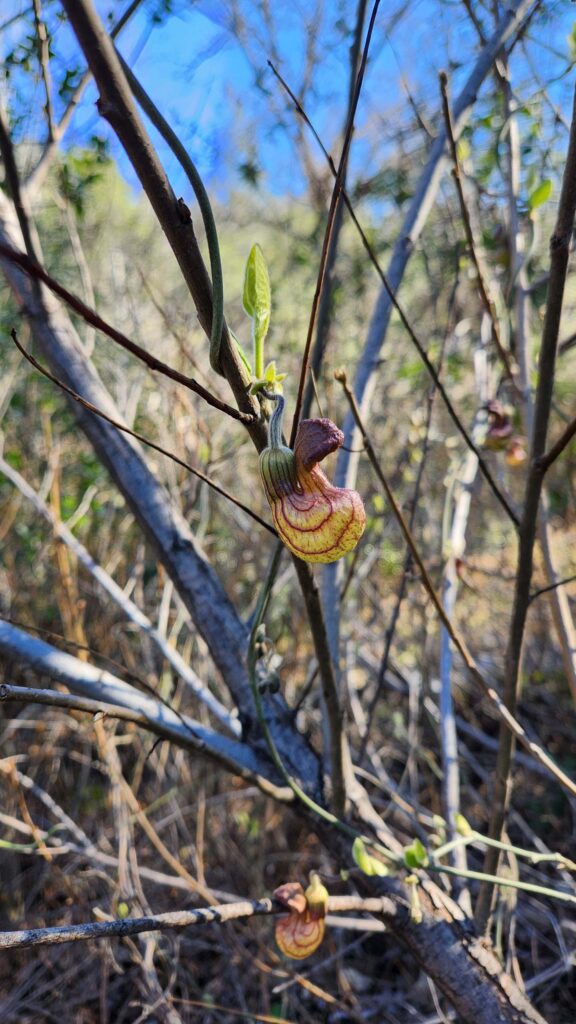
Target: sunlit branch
(177, 919)
(482, 284)
(334, 202)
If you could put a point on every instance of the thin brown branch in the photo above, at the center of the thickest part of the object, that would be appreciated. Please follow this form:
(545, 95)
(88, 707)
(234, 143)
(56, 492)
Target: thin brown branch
(339, 756)
(509, 722)
(220, 914)
(140, 437)
(548, 458)
(13, 183)
(36, 271)
(325, 307)
(551, 586)
(559, 253)
(482, 284)
(73, 702)
(117, 105)
(383, 668)
(402, 314)
(334, 203)
(567, 344)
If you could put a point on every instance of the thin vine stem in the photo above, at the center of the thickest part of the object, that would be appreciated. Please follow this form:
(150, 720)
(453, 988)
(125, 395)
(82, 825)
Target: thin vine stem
(518, 851)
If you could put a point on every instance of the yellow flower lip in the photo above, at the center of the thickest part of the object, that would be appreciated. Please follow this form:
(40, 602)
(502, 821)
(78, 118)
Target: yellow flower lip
(316, 521)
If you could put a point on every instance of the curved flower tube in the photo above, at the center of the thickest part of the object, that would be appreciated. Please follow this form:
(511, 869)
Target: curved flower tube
(316, 521)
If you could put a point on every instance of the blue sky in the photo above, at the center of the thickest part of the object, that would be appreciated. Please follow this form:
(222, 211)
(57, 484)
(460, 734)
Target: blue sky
(204, 81)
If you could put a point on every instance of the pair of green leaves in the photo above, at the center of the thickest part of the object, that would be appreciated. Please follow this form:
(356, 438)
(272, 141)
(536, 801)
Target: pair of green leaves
(257, 301)
(415, 856)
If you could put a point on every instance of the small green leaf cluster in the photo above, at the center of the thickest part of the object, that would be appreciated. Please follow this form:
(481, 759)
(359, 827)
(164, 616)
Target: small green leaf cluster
(368, 864)
(415, 855)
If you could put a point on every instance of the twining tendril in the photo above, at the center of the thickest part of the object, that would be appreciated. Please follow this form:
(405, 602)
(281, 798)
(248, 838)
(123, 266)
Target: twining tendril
(316, 521)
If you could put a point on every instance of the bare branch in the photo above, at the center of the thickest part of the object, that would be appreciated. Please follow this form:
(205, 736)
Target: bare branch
(334, 204)
(139, 437)
(220, 914)
(44, 60)
(482, 284)
(559, 252)
(510, 723)
(101, 686)
(551, 586)
(324, 316)
(35, 270)
(548, 458)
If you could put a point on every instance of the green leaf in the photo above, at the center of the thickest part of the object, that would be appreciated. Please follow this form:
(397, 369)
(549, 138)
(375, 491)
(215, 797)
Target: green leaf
(368, 865)
(256, 296)
(540, 194)
(415, 856)
(270, 372)
(257, 302)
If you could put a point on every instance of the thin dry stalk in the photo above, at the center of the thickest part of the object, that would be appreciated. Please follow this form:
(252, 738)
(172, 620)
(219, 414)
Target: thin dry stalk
(559, 253)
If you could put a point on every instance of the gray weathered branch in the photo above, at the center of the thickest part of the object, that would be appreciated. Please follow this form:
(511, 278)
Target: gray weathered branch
(98, 684)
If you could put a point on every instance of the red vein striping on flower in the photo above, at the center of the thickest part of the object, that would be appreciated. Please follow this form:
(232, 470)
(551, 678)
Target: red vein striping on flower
(300, 933)
(317, 521)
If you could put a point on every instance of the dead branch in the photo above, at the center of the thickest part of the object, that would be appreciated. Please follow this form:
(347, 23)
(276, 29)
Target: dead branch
(219, 914)
(559, 252)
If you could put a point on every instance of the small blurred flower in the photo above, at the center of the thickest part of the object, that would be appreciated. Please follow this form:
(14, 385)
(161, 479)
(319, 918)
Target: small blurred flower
(499, 427)
(516, 453)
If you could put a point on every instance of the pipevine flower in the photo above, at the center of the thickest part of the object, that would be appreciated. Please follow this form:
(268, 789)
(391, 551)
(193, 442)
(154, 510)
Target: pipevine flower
(300, 933)
(499, 426)
(316, 521)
